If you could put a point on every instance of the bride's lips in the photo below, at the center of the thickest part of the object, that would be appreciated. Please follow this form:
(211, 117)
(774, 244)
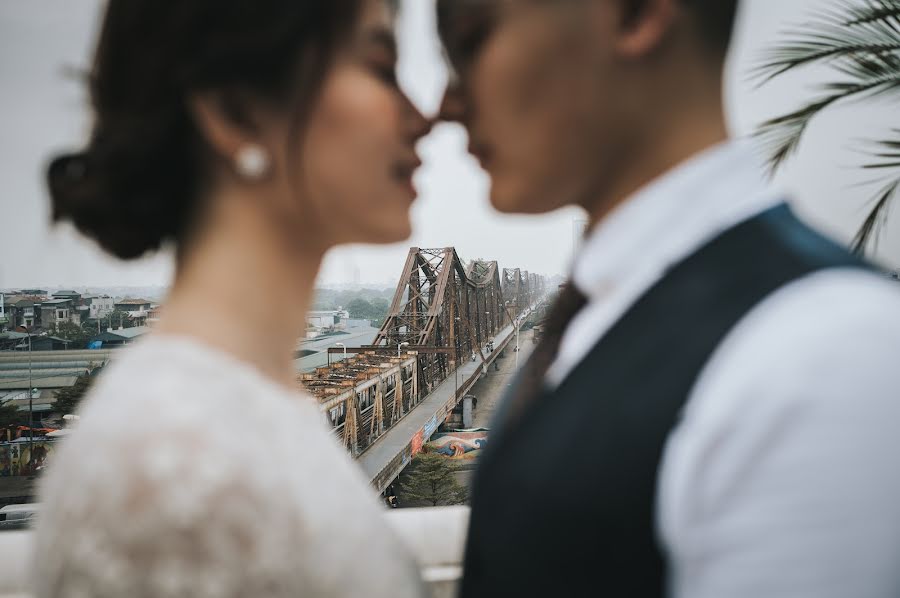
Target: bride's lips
(403, 171)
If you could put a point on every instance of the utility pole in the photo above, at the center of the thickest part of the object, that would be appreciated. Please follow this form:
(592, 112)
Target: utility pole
(30, 406)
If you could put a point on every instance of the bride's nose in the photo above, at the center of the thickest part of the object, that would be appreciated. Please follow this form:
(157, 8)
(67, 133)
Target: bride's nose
(416, 124)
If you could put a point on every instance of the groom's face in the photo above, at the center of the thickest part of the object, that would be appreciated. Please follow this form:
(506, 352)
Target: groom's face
(536, 87)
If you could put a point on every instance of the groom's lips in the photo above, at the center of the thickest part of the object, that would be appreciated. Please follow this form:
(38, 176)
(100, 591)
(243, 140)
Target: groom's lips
(481, 152)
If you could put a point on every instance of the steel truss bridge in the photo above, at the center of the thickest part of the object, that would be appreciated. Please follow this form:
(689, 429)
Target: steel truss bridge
(443, 322)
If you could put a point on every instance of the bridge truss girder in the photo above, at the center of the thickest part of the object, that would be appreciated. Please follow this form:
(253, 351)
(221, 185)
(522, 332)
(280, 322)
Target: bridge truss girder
(440, 303)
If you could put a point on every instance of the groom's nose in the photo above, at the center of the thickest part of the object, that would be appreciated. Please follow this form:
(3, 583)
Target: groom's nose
(453, 106)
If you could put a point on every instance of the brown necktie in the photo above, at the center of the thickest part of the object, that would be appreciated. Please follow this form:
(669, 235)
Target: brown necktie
(531, 378)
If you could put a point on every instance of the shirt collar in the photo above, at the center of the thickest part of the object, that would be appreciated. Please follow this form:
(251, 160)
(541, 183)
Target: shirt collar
(672, 216)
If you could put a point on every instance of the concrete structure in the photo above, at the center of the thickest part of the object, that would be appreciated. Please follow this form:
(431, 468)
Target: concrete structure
(4, 320)
(57, 311)
(137, 309)
(436, 536)
(327, 319)
(23, 310)
(99, 306)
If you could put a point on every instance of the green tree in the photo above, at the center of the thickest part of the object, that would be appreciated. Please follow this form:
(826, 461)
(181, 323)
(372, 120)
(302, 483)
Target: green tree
(359, 308)
(430, 480)
(859, 41)
(380, 309)
(10, 416)
(73, 333)
(118, 317)
(67, 399)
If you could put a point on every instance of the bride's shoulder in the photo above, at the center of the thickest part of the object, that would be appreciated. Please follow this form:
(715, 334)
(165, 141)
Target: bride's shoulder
(167, 386)
(161, 369)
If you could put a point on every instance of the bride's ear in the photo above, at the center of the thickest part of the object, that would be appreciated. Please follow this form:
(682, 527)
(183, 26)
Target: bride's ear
(229, 131)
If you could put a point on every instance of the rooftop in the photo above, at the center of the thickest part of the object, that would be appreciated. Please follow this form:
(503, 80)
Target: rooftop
(23, 300)
(127, 333)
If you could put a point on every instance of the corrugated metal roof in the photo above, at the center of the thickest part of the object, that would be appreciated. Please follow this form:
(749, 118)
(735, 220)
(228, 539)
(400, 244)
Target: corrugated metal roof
(61, 382)
(130, 332)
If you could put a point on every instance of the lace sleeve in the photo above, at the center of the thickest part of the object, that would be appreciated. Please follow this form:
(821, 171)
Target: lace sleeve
(194, 519)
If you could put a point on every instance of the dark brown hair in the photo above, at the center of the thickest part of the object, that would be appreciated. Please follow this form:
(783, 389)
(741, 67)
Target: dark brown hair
(465, 24)
(138, 181)
(714, 18)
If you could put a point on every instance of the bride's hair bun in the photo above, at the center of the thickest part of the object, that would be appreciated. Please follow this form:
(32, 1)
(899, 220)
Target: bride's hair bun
(130, 191)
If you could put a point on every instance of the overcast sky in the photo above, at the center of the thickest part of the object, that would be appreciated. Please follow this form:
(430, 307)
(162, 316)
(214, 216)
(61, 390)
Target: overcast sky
(42, 111)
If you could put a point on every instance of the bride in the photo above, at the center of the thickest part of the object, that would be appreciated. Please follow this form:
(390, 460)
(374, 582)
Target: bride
(252, 136)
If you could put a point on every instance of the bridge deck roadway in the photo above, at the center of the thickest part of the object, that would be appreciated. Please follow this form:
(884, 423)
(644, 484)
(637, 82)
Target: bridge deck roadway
(388, 455)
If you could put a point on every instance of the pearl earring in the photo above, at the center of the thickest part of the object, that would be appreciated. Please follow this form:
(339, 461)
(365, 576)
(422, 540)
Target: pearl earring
(252, 162)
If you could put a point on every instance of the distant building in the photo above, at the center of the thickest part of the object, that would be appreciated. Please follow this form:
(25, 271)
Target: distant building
(49, 343)
(23, 310)
(334, 319)
(4, 318)
(138, 309)
(58, 311)
(73, 296)
(99, 306)
(14, 341)
(135, 305)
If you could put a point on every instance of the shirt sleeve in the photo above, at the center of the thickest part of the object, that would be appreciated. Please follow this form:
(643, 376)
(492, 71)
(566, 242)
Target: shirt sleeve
(783, 478)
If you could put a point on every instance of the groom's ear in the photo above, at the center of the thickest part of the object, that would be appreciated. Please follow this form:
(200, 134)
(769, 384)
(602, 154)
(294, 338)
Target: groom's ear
(644, 26)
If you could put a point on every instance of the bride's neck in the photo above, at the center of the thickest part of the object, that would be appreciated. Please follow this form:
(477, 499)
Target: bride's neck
(244, 290)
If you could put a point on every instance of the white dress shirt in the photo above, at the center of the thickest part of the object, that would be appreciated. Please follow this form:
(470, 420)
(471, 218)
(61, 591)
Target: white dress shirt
(782, 480)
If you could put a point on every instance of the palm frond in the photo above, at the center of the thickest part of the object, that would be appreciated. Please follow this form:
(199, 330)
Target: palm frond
(784, 133)
(874, 11)
(828, 42)
(888, 156)
(876, 219)
(860, 41)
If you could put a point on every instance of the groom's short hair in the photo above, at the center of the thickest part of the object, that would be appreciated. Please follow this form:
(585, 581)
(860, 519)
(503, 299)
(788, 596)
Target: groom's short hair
(715, 20)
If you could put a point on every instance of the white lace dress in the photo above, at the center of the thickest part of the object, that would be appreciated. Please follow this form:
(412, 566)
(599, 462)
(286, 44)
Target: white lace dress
(192, 475)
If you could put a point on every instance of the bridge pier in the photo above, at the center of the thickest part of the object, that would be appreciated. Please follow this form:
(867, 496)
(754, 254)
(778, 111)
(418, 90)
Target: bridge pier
(467, 411)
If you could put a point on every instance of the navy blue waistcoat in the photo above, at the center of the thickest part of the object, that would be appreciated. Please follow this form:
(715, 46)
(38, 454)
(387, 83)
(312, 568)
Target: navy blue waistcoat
(563, 501)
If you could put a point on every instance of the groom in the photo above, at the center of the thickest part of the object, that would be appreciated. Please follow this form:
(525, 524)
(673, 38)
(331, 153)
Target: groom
(713, 411)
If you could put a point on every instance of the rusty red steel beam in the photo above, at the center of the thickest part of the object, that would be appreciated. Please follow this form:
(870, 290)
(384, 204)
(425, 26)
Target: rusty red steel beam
(445, 311)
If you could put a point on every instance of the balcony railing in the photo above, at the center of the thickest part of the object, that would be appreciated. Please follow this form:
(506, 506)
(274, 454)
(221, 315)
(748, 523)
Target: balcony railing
(435, 536)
